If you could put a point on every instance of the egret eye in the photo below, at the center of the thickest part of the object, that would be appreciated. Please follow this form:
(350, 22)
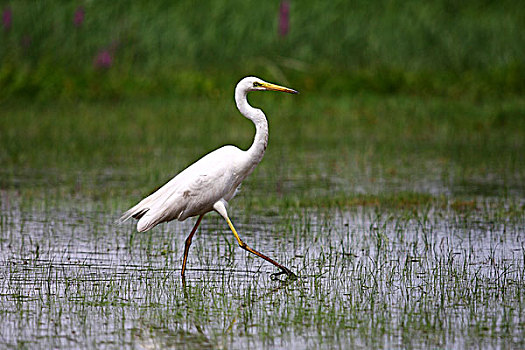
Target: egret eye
(256, 84)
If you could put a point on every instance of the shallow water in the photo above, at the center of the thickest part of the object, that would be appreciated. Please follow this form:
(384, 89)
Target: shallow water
(401, 278)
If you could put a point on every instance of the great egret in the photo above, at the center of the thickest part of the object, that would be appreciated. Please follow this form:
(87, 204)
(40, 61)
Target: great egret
(209, 183)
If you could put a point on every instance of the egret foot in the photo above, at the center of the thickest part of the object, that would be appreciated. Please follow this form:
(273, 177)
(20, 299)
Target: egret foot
(284, 271)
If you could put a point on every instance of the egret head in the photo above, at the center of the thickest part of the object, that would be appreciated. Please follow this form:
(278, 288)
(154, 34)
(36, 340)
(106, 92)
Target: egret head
(255, 84)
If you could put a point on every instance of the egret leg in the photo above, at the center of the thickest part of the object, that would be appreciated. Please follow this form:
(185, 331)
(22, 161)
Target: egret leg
(244, 246)
(188, 243)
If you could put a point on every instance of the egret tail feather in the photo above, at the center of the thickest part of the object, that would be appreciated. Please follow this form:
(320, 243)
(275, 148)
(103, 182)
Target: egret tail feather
(134, 212)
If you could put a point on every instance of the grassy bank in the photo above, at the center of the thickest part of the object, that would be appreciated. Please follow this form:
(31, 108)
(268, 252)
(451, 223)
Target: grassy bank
(96, 49)
(322, 149)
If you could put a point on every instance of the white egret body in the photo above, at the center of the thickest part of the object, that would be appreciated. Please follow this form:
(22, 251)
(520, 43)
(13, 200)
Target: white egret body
(209, 183)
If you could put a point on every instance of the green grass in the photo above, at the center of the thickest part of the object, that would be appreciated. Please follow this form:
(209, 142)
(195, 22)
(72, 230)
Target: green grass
(380, 46)
(373, 278)
(339, 144)
(403, 216)
(392, 185)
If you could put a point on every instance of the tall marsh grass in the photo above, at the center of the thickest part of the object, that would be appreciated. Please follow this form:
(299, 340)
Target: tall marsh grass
(129, 48)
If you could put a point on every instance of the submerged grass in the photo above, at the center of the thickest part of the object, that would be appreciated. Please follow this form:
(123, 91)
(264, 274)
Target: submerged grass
(402, 214)
(368, 278)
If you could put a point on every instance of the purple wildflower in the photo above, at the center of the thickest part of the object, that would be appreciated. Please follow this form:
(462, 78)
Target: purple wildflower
(103, 60)
(284, 18)
(78, 19)
(7, 18)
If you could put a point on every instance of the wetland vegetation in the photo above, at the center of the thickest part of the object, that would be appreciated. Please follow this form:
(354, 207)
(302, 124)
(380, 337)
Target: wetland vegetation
(394, 190)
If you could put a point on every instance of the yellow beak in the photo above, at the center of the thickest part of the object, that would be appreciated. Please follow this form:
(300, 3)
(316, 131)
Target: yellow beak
(273, 87)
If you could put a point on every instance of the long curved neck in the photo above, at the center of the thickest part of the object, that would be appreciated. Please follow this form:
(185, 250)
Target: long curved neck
(260, 141)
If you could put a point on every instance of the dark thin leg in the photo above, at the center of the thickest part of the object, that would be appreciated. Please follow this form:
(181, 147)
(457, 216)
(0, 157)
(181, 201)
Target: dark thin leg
(188, 243)
(284, 270)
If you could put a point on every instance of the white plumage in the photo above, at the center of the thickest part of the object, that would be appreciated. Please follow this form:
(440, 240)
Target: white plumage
(193, 191)
(209, 183)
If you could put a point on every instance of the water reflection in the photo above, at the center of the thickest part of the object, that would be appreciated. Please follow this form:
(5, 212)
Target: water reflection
(72, 279)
